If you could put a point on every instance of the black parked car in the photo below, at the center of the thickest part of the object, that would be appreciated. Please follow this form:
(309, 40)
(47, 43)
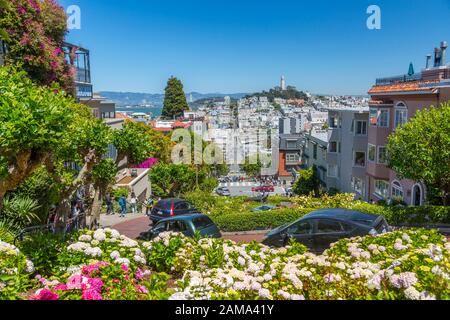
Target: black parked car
(169, 208)
(319, 229)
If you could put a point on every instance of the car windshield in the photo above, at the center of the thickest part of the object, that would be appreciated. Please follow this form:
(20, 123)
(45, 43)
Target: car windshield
(201, 223)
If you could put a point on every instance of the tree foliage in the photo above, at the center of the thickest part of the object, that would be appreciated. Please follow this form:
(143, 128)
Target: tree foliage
(33, 121)
(307, 183)
(290, 93)
(172, 180)
(252, 166)
(175, 102)
(34, 36)
(420, 150)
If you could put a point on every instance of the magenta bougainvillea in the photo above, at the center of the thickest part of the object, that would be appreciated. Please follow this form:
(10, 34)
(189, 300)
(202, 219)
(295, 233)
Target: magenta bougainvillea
(36, 31)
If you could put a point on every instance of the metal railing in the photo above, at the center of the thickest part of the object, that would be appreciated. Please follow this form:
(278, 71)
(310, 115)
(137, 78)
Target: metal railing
(74, 224)
(398, 79)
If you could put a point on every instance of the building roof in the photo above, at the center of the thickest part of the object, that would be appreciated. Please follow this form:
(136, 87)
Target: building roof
(411, 86)
(123, 116)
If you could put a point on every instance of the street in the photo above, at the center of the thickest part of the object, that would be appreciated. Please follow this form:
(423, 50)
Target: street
(245, 189)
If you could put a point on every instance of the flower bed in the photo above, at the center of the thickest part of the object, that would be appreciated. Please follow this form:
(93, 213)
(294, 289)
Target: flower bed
(104, 281)
(399, 265)
(102, 245)
(15, 270)
(406, 264)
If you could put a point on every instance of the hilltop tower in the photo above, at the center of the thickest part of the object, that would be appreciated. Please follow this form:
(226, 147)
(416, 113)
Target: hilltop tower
(283, 83)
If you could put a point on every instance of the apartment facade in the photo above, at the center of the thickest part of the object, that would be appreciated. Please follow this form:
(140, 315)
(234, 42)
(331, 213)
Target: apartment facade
(347, 149)
(315, 152)
(395, 100)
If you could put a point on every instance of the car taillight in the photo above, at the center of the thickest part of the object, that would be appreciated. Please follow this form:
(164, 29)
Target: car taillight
(172, 210)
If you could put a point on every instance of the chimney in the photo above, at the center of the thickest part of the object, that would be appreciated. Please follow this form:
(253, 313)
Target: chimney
(444, 47)
(437, 57)
(428, 61)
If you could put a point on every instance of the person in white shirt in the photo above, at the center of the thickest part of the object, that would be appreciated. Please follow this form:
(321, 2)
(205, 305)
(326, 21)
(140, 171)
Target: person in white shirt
(133, 203)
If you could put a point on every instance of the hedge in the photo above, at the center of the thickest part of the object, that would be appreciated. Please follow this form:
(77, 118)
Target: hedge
(251, 221)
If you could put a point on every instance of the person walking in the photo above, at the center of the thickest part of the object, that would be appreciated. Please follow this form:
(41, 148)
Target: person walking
(123, 206)
(109, 205)
(133, 203)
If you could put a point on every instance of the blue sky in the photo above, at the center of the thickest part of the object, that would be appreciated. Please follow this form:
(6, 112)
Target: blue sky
(246, 45)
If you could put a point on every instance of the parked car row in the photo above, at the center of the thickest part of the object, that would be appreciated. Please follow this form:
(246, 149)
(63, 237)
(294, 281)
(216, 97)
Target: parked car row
(316, 230)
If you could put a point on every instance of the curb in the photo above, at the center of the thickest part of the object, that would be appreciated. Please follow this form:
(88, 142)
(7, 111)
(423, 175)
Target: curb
(246, 233)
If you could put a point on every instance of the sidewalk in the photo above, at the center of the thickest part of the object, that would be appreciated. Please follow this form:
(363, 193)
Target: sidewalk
(111, 220)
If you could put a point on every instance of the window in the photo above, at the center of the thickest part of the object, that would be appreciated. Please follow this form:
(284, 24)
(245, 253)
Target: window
(401, 115)
(328, 226)
(379, 118)
(397, 190)
(383, 119)
(382, 155)
(201, 223)
(315, 151)
(358, 185)
(301, 228)
(335, 122)
(177, 226)
(291, 157)
(372, 152)
(360, 159)
(333, 171)
(381, 188)
(373, 117)
(291, 144)
(361, 128)
(333, 147)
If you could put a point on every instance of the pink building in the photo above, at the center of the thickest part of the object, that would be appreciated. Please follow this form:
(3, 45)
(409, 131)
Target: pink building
(394, 101)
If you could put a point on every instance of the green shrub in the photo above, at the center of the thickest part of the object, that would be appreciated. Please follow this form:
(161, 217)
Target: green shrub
(264, 220)
(117, 193)
(43, 249)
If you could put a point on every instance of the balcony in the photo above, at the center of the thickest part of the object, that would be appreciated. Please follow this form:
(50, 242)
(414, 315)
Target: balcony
(79, 58)
(398, 79)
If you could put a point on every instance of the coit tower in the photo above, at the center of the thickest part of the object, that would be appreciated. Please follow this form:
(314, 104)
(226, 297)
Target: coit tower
(283, 83)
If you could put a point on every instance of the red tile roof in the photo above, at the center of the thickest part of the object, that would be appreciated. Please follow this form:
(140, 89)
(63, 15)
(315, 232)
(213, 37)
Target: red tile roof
(123, 116)
(403, 87)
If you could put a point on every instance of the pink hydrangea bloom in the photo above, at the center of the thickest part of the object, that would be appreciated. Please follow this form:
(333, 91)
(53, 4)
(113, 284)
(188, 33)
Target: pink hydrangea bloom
(96, 283)
(91, 294)
(139, 274)
(45, 295)
(124, 268)
(75, 282)
(21, 10)
(61, 287)
(141, 289)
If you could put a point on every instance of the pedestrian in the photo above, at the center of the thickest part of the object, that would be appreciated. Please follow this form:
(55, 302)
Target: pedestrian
(109, 205)
(123, 206)
(133, 203)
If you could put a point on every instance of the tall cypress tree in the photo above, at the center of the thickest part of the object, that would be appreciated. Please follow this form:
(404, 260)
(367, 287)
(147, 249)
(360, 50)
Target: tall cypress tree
(175, 102)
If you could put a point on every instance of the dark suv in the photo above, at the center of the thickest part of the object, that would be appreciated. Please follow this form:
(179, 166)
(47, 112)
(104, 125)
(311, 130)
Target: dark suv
(169, 208)
(319, 229)
(189, 225)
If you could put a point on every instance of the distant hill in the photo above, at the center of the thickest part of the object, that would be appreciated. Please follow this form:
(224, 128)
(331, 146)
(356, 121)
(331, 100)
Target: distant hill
(156, 100)
(290, 93)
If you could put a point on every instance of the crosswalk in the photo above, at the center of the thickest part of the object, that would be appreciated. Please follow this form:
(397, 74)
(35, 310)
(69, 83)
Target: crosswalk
(238, 184)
